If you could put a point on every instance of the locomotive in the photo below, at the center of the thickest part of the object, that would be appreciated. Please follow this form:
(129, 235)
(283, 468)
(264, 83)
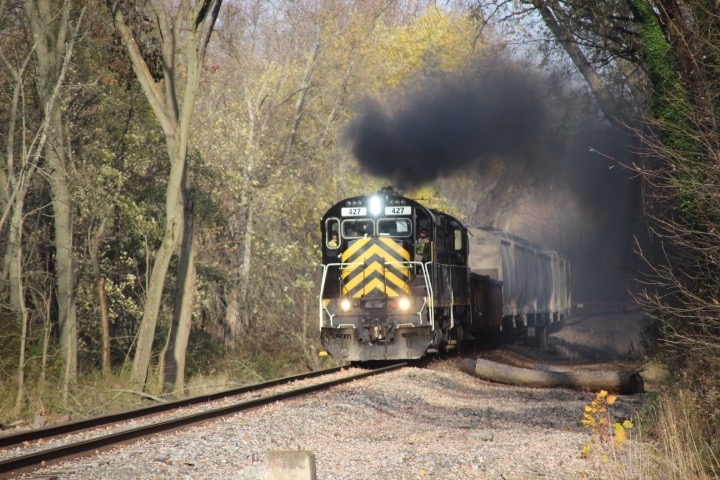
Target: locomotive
(401, 280)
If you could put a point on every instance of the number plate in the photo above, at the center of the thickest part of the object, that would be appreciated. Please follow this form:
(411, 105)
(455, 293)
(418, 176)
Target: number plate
(354, 212)
(398, 210)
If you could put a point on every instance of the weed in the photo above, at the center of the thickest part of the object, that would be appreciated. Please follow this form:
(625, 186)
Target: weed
(489, 415)
(599, 419)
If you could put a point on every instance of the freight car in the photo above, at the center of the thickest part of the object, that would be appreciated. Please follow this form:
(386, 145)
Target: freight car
(535, 292)
(400, 280)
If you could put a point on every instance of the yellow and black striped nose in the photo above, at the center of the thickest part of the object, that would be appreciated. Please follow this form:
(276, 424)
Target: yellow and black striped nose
(376, 268)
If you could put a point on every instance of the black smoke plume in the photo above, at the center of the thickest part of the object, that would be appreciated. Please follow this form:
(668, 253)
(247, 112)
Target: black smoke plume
(449, 124)
(536, 161)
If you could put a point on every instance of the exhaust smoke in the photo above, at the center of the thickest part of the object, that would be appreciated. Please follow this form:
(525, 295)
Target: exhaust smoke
(450, 124)
(517, 154)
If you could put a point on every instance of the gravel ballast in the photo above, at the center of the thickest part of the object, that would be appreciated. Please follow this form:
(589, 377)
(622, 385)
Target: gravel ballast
(434, 423)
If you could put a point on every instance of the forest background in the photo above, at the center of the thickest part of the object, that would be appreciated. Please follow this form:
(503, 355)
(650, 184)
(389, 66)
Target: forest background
(164, 166)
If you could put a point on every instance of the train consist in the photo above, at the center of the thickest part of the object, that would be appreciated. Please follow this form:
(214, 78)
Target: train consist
(400, 280)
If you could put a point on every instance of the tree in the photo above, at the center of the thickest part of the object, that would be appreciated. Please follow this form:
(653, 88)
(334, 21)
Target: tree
(15, 182)
(601, 40)
(183, 38)
(51, 29)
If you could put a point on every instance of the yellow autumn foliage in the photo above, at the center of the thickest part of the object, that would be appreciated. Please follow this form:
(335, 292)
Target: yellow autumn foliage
(438, 41)
(620, 435)
(598, 418)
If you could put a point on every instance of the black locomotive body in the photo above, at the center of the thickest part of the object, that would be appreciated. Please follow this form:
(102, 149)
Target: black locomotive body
(387, 292)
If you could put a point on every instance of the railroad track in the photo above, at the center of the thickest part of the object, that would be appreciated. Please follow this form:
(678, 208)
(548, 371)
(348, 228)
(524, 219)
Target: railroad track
(27, 454)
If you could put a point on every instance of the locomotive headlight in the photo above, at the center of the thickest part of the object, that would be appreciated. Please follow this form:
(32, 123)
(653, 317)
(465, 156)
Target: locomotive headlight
(345, 304)
(375, 206)
(404, 303)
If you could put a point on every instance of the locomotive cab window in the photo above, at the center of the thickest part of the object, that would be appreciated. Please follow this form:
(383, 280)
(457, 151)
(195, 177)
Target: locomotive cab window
(422, 223)
(458, 240)
(332, 233)
(394, 227)
(358, 228)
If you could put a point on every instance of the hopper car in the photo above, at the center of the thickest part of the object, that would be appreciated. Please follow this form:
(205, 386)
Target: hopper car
(390, 292)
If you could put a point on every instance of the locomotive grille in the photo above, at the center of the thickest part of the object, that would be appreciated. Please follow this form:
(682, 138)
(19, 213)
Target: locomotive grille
(378, 273)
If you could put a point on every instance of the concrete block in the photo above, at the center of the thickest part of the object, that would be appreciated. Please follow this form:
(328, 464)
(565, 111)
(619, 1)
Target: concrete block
(291, 465)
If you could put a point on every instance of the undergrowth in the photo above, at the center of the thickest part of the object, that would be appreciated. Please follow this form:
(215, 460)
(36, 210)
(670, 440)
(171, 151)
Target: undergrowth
(607, 434)
(679, 427)
(98, 393)
(670, 438)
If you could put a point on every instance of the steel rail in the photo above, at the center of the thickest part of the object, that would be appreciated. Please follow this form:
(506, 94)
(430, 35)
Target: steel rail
(52, 455)
(93, 422)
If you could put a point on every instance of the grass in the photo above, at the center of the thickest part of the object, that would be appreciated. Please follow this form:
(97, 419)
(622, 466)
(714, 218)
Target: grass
(672, 441)
(680, 431)
(98, 393)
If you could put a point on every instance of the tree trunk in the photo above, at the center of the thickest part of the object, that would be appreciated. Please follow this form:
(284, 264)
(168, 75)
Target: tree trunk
(103, 307)
(174, 371)
(105, 322)
(17, 177)
(303, 93)
(17, 293)
(173, 102)
(245, 268)
(47, 334)
(233, 314)
(49, 25)
(607, 103)
(308, 347)
(64, 259)
(153, 300)
(621, 382)
(13, 202)
(94, 239)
